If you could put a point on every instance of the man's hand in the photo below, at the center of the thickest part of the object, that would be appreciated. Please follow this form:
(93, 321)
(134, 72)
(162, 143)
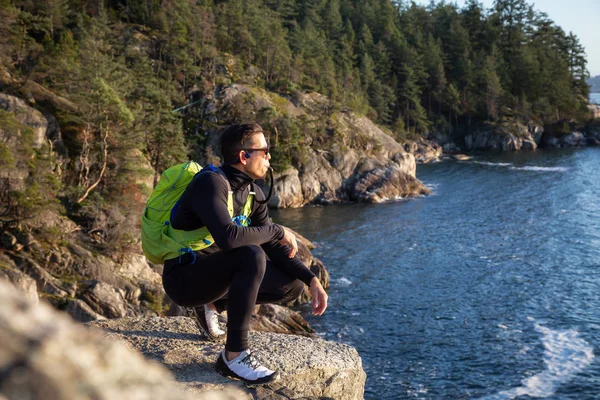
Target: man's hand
(319, 297)
(289, 239)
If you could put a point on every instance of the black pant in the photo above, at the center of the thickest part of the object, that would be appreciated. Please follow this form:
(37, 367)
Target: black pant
(235, 280)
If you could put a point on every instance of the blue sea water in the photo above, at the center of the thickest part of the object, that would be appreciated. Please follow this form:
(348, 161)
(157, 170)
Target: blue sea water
(595, 98)
(488, 288)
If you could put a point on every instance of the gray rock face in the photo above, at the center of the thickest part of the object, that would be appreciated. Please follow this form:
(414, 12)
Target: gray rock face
(135, 268)
(45, 282)
(381, 183)
(308, 367)
(591, 137)
(45, 355)
(80, 311)
(27, 116)
(278, 319)
(105, 300)
(512, 136)
(424, 151)
(23, 283)
(321, 174)
(574, 139)
(287, 191)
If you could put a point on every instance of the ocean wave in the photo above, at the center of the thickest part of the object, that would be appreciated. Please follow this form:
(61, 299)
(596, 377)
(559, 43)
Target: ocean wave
(343, 281)
(491, 164)
(565, 355)
(541, 169)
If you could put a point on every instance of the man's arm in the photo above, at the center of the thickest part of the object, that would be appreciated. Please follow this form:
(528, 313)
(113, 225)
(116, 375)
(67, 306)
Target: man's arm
(206, 198)
(279, 252)
(284, 257)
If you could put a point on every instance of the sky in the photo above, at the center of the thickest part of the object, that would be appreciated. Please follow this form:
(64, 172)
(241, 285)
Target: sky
(582, 17)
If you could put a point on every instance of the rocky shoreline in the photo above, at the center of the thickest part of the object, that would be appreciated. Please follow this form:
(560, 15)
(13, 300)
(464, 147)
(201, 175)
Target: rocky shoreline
(508, 138)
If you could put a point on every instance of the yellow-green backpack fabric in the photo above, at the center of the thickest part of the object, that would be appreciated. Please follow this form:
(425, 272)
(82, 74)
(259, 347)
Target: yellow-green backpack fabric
(160, 241)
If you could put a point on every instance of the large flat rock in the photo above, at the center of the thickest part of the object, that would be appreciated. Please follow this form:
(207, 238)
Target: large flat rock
(45, 355)
(308, 367)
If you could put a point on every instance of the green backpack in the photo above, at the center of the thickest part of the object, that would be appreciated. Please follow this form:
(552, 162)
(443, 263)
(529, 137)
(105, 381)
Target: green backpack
(160, 241)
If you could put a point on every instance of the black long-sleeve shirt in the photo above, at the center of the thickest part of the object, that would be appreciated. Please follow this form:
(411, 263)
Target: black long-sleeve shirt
(204, 203)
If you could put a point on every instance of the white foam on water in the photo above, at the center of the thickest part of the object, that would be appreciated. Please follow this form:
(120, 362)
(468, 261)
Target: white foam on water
(491, 164)
(565, 355)
(541, 169)
(343, 281)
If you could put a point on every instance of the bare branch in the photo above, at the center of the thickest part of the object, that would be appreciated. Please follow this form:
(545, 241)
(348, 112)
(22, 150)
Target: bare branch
(87, 192)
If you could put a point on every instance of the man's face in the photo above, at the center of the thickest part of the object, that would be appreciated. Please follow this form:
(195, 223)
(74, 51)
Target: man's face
(257, 164)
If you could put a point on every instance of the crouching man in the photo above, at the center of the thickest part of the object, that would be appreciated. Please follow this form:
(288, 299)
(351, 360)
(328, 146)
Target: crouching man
(223, 206)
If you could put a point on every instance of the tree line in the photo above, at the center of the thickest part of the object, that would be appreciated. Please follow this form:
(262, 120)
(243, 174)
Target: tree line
(415, 69)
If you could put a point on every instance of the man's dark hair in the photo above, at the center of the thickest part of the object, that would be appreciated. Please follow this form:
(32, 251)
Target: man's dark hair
(235, 138)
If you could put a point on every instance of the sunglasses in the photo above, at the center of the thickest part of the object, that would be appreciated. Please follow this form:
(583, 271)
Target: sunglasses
(265, 150)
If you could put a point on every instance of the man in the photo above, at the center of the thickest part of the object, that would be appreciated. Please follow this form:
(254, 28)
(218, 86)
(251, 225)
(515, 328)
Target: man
(234, 272)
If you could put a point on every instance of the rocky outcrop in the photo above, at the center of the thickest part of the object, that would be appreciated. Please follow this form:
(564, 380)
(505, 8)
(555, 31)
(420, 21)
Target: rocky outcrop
(22, 282)
(589, 137)
(424, 151)
(375, 182)
(325, 170)
(506, 137)
(45, 355)
(26, 115)
(278, 319)
(90, 286)
(517, 136)
(308, 367)
(87, 285)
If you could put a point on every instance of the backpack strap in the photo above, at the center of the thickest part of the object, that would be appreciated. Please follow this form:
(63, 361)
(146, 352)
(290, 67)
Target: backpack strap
(221, 173)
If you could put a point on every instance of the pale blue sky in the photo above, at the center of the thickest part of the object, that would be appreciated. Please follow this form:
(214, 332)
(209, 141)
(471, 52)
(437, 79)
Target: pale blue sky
(582, 17)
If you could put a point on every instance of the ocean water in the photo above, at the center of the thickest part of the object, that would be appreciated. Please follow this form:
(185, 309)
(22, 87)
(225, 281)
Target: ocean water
(595, 98)
(488, 288)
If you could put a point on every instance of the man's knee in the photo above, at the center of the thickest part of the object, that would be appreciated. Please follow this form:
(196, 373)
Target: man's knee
(252, 257)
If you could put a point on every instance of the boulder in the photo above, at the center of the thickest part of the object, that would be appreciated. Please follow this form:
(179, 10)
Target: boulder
(278, 319)
(574, 139)
(383, 183)
(461, 157)
(135, 268)
(45, 355)
(26, 115)
(104, 299)
(45, 282)
(287, 190)
(80, 311)
(22, 282)
(320, 181)
(426, 151)
(309, 367)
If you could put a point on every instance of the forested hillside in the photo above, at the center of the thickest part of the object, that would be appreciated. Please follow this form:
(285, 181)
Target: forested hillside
(127, 81)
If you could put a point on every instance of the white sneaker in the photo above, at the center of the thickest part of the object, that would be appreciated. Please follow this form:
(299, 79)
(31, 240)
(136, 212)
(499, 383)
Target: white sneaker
(246, 368)
(212, 320)
(207, 320)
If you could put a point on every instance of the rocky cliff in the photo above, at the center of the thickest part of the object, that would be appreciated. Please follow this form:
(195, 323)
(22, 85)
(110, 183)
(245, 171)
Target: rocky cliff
(330, 156)
(45, 355)
(308, 367)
